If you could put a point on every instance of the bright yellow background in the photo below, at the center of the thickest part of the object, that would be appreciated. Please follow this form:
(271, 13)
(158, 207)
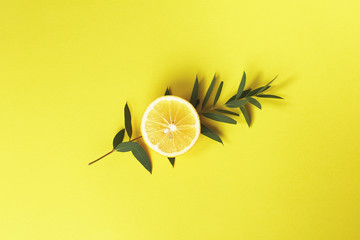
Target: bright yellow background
(68, 67)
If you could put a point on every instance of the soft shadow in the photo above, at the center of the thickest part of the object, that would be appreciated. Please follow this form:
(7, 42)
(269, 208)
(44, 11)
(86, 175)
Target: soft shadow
(258, 81)
(281, 84)
(146, 149)
(250, 111)
(213, 125)
(254, 81)
(180, 83)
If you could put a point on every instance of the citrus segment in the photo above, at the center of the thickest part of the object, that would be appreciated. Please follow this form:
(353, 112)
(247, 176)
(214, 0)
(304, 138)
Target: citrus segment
(170, 126)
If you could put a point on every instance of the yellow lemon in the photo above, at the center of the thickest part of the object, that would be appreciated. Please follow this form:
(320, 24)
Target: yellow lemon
(170, 126)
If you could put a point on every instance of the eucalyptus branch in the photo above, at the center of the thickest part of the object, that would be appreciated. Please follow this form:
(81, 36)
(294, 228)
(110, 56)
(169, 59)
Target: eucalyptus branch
(112, 151)
(136, 138)
(101, 157)
(223, 112)
(237, 101)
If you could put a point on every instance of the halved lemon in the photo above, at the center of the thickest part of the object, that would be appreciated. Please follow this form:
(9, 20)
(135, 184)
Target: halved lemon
(170, 126)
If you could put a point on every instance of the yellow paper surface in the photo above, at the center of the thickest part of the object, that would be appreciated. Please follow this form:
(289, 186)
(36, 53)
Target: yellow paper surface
(67, 69)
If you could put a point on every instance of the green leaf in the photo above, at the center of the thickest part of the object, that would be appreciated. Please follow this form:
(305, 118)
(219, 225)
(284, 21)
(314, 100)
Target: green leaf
(197, 103)
(268, 84)
(246, 115)
(126, 146)
(244, 94)
(128, 126)
(218, 93)
(271, 81)
(258, 90)
(241, 86)
(219, 117)
(194, 93)
(172, 161)
(208, 93)
(236, 103)
(269, 96)
(141, 155)
(231, 99)
(210, 133)
(119, 137)
(227, 112)
(254, 102)
(167, 92)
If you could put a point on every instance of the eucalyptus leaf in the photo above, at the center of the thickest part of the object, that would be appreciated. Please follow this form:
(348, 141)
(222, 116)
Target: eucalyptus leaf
(208, 93)
(254, 102)
(128, 126)
(227, 112)
(197, 103)
(246, 115)
(258, 90)
(218, 93)
(167, 92)
(126, 146)
(241, 86)
(210, 133)
(268, 84)
(231, 99)
(244, 94)
(119, 137)
(194, 93)
(172, 161)
(236, 103)
(219, 117)
(141, 155)
(269, 96)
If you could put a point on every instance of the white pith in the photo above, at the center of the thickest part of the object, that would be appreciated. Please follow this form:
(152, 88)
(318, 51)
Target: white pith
(171, 127)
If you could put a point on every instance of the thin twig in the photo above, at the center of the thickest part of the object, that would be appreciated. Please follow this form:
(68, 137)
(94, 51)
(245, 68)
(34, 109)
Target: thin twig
(135, 138)
(111, 152)
(102, 157)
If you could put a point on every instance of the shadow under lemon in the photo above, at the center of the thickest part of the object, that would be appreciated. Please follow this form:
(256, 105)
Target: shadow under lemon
(213, 108)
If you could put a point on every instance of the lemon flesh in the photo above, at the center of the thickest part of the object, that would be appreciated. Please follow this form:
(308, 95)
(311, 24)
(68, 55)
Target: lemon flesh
(170, 126)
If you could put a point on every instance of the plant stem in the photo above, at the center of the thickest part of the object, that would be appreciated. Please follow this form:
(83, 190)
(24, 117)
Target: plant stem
(135, 138)
(208, 109)
(111, 151)
(102, 157)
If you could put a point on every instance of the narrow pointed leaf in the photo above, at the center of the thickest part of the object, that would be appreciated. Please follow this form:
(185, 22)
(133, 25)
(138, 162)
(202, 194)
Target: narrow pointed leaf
(197, 103)
(210, 133)
(128, 126)
(227, 112)
(231, 99)
(208, 93)
(267, 85)
(244, 94)
(172, 161)
(269, 96)
(167, 92)
(246, 115)
(141, 155)
(258, 90)
(126, 146)
(241, 86)
(218, 93)
(219, 117)
(254, 102)
(194, 93)
(236, 103)
(119, 137)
